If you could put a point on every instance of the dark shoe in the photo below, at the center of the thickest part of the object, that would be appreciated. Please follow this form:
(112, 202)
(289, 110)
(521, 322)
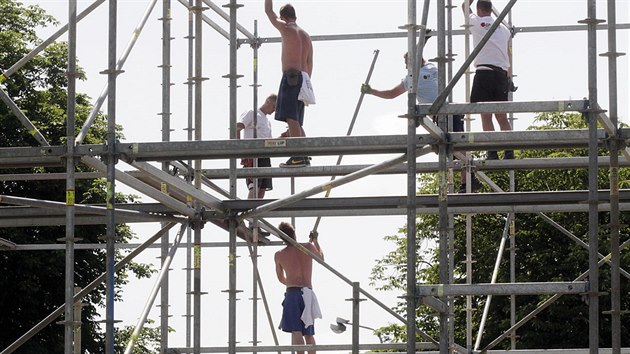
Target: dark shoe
(508, 155)
(307, 160)
(492, 155)
(295, 162)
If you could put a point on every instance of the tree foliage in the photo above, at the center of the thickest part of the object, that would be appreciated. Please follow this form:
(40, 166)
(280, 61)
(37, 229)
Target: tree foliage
(543, 254)
(32, 282)
(147, 341)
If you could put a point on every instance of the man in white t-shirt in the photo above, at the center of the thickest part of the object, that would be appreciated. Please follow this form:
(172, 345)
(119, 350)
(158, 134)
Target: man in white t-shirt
(426, 92)
(427, 89)
(261, 129)
(492, 75)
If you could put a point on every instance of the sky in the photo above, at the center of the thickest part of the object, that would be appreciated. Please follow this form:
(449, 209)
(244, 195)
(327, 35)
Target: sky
(547, 66)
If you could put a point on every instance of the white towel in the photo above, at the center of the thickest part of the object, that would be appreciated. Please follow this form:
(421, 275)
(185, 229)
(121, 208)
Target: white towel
(307, 95)
(311, 307)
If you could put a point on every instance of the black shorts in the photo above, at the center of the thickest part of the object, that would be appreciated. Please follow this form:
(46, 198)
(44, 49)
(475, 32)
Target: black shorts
(265, 182)
(458, 123)
(489, 86)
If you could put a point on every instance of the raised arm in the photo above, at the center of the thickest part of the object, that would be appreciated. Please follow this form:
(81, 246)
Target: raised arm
(273, 18)
(469, 7)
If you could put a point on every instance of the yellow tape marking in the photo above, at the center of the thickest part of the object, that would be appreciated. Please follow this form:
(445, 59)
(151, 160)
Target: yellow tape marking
(197, 256)
(70, 197)
(440, 290)
(110, 195)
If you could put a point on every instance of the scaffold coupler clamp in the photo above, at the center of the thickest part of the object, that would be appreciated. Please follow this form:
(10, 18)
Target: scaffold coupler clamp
(111, 150)
(255, 43)
(313, 235)
(197, 220)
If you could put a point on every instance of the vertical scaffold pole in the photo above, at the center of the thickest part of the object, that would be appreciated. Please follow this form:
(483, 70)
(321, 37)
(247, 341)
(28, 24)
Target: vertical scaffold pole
(190, 129)
(254, 249)
(469, 259)
(447, 68)
(166, 136)
(445, 251)
(232, 256)
(198, 64)
(411, 180)
(69, 318)
(111, 179)
(593, 226)
(615, 285)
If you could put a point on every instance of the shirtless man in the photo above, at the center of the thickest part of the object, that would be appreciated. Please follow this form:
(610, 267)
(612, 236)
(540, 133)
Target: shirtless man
(294, 269)
(297, 67)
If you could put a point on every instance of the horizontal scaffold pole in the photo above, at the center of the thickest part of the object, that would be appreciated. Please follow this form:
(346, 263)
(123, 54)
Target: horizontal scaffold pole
(439, 290)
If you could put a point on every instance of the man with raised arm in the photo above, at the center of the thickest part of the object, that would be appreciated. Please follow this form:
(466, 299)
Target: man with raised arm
(297, 68)
(491, 82)
(294, 269)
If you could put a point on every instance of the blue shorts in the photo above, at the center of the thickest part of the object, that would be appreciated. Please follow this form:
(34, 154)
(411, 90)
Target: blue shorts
(287, 104)
(292, 308)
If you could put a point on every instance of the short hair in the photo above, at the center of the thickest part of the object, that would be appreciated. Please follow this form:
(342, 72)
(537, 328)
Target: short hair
(485, 5)
(274, 96)
(287, 229)
(288, 11)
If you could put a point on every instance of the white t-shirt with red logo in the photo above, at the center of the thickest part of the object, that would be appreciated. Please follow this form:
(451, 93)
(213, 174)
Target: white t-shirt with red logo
(495, 52)
(263, 125)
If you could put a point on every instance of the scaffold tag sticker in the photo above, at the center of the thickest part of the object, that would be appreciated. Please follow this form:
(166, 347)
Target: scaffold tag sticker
(276, 143)
(70, 197)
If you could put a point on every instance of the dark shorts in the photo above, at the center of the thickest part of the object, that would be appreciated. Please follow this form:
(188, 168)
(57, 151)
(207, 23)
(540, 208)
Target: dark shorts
(287, 104)
(263, 183)
(489, 86)
(458, 123)
(292, 308)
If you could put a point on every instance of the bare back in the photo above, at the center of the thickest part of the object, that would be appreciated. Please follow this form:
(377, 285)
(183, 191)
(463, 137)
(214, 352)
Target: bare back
(294, 267)
(297, 48)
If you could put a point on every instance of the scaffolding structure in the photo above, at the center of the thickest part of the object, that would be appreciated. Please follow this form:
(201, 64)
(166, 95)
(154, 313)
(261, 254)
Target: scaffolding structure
(189, 204)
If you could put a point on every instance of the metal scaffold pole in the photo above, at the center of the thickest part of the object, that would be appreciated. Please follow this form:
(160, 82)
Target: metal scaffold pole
(190, 88)
(232, 255)
(615, 285)
(69, 318)
(254, 248)
(593, 222)
(112, 73)
(198, 81)
(445, 247)
(166, 136)
(411, 180)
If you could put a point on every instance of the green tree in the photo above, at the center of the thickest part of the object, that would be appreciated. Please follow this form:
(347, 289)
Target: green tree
(543, 254)
(32, 283)
(147, 342)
